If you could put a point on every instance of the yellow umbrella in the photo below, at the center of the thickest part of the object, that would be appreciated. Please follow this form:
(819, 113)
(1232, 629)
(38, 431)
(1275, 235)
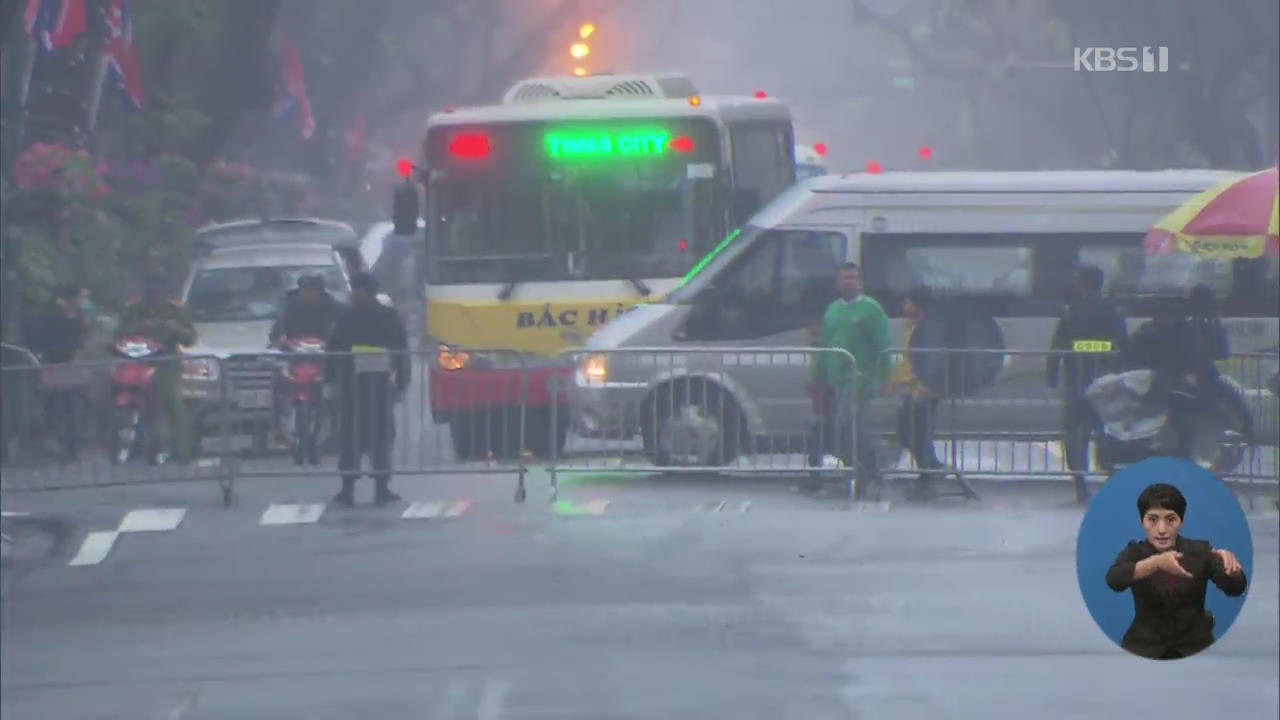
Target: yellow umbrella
(1237, 219)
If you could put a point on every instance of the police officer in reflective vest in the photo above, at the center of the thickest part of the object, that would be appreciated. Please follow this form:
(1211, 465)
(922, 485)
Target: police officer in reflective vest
(1085, 344)
(370, 353)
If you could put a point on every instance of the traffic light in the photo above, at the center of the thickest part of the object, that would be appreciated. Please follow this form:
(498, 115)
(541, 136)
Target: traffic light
(579, 49)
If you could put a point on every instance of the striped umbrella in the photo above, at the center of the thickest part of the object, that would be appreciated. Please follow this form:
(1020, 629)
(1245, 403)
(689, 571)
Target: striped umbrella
(1238, 219)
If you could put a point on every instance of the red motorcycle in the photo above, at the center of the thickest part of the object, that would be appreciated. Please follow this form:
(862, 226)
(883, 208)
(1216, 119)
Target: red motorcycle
(136, 403)
(304, 390)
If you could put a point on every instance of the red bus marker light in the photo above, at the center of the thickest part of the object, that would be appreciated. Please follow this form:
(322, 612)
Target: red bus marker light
(470, 147)
(404, 167)
(682, 144)
(820, 148)
(874, 168)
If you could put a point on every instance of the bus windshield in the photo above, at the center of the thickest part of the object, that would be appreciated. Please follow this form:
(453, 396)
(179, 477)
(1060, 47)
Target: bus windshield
(563, 204)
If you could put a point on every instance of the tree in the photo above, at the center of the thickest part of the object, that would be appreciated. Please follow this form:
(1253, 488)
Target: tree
(1206, 111)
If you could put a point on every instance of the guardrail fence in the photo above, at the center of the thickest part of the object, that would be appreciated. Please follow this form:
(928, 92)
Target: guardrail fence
(752, 411)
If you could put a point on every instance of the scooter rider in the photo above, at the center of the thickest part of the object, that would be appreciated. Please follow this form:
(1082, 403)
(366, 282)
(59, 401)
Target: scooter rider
(163, 320)
(309, 310)
(1171, 347)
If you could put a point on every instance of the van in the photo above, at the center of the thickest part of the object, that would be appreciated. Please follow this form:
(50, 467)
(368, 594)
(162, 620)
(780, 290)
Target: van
(997, 247)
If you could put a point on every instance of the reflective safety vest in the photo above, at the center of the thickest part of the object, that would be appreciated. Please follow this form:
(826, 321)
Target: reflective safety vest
(371, 359)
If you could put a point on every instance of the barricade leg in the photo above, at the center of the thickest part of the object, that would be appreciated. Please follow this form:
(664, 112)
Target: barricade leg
(555, 446)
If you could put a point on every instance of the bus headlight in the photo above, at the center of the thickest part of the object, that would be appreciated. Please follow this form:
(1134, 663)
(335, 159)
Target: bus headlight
(450, 359)
(593, 371)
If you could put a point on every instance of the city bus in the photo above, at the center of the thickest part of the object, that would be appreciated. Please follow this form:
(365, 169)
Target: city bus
(550, 214)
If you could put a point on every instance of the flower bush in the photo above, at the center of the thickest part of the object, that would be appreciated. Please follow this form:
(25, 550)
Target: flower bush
(59, 170)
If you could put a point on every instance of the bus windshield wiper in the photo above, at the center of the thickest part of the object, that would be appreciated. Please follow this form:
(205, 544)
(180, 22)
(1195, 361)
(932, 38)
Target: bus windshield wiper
(640, 287)
(505, 293)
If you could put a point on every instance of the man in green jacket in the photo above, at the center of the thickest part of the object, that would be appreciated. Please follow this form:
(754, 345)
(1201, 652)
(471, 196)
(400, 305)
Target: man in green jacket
(159, 318)
(855, 323)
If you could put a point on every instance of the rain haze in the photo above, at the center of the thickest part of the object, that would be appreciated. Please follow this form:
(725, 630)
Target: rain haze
(643, 359)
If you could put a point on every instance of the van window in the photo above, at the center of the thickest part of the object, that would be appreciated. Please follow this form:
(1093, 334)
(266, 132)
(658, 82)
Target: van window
(776, 286)
(982, 266)
(1030, 274)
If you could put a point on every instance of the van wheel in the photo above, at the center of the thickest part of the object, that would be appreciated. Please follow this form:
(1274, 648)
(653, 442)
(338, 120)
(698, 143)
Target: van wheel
(692, 429)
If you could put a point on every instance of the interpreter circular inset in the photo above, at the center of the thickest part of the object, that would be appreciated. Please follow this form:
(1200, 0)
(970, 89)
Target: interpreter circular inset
(1164, 558)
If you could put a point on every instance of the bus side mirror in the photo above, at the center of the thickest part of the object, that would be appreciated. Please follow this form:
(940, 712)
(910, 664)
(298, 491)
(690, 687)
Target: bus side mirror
(404, 209)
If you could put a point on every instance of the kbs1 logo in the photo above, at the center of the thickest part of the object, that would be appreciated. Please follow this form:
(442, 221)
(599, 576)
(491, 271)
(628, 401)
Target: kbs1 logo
(1121, 59)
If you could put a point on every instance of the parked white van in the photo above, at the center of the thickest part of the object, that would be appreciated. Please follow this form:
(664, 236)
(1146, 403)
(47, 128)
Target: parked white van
(997, 246)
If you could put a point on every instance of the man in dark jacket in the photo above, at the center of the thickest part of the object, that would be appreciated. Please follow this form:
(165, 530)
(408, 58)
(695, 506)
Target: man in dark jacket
(1091, 332)
(370, 353)
(1212, 336)
(57, 337)
(309, 310)
(1170, 345)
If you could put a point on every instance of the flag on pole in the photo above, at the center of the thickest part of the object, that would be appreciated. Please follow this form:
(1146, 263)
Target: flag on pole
(294, 91)
(55, 23)
(122, 56)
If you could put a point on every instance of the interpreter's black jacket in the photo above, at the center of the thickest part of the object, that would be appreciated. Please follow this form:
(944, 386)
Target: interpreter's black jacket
(1168, 610)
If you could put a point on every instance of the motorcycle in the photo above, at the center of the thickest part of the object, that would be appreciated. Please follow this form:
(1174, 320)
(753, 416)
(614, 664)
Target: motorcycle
(1134, 408)
(135, 400)
(304, 390)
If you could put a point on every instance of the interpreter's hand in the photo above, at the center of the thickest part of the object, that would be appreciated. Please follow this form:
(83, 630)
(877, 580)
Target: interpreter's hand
(1229, 562)
(1168, 562)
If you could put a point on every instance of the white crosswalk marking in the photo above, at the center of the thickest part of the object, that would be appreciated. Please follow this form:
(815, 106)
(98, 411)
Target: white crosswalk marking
(292, 514)
(458, 508)
(94, 549)
(152, 520)
(423, 510)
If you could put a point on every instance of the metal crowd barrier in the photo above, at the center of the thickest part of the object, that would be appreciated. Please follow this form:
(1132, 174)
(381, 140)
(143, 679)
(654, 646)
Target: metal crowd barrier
(711, 409)
(266, 415)
(991, 413)
(64, 428)
(750, 411)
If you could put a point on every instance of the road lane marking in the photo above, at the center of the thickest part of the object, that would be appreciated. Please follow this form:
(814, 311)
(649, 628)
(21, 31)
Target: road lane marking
(152, 520)
(873, 506)
(593, 507)
(746, 506)
(458, 508)
(423, 510)
(94, 549)
(292, 514)
(493, 701)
